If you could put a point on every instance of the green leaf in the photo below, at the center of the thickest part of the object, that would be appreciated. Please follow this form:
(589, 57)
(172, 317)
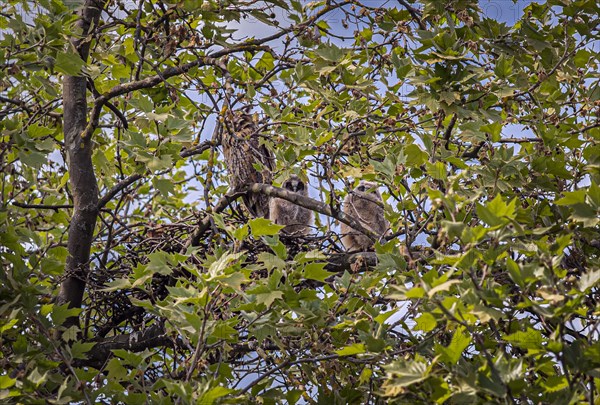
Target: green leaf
(116, 370)
(330, 52)
(316, 271)
(37, 378)
(264, 227)
(37, 131)
(572, 198)
(61, 312)
(213, 394)
(437, 170)
(589, 280)
(425, 322)
(401, 374)
(159, 263)
(497, 212)
(69, 63)
(460, 341)
(165, 186)
(445, 286)
(529, 339)
(6, 382)
(219, 267)
(268, 297)
(582, 58)
(117, 284)
(503, 68)
(78, 349)
(494, 129)
(555, 383)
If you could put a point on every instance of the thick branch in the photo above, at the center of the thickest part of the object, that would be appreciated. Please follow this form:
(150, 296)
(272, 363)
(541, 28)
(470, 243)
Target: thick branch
(314, 205)
(153, 336)
(341, 262)
(81, 169)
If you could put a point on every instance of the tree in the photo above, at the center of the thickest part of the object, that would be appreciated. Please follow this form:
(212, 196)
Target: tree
(132, 273)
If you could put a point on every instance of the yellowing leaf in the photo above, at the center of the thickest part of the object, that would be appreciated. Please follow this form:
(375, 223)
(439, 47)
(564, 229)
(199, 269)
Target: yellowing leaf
(356, 348)
(442, 287)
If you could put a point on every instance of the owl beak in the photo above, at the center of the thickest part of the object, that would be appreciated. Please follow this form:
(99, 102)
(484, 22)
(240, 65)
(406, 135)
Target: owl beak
(295, 185)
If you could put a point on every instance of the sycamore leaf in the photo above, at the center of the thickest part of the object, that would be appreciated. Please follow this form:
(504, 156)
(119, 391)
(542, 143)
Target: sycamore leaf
(69, 63)
(316, 271)
(264, 227)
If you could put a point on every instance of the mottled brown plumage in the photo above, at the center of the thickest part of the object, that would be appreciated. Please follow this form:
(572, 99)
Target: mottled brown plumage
(364, 204)
(282, 212)
(243, 153)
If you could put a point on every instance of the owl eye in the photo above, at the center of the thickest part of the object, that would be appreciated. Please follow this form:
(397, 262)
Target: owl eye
(361, 188)
(300, 186)
(289, 186)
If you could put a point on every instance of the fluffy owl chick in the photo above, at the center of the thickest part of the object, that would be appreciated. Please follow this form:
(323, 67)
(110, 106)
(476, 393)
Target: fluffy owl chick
(364, 204)
(243, 151)
(296, 219)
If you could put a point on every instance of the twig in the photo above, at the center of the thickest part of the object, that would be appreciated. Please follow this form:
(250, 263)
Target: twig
(448, 132)
(519, 140)
(197, 150)
(414, 13)
(286, 364)
(205, 223)
(42, 206)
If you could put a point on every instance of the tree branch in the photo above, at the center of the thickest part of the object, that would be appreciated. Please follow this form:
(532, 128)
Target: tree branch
(117, 188)
(42, 206)
(314, 205)
(285, 364)
(198, 149)
(81, 168)
(213, 60)
(223, 203)
(448, 131)
(414, 13)
(153, 336)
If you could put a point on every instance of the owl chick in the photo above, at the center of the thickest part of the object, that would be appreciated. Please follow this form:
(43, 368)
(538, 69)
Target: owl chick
(243, 152)
(364, 204)
(282, 212)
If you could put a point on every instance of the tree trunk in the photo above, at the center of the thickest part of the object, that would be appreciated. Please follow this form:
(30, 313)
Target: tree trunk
(84, 187)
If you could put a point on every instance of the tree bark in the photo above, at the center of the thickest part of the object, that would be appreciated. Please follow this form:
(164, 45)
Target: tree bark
(84, 187)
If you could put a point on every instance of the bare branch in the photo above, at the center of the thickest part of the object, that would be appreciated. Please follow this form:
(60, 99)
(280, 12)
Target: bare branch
(117, 188)
(197, 150)
(223, 203)
(42, 206)
(448, 131)
(414, 13)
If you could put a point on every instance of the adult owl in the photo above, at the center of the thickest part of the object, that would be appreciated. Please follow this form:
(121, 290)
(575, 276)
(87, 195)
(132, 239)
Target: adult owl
(297, 220)
(248, 160)
(364, 204)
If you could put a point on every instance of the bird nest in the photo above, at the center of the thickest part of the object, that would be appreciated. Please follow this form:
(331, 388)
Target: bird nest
(108, 307)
